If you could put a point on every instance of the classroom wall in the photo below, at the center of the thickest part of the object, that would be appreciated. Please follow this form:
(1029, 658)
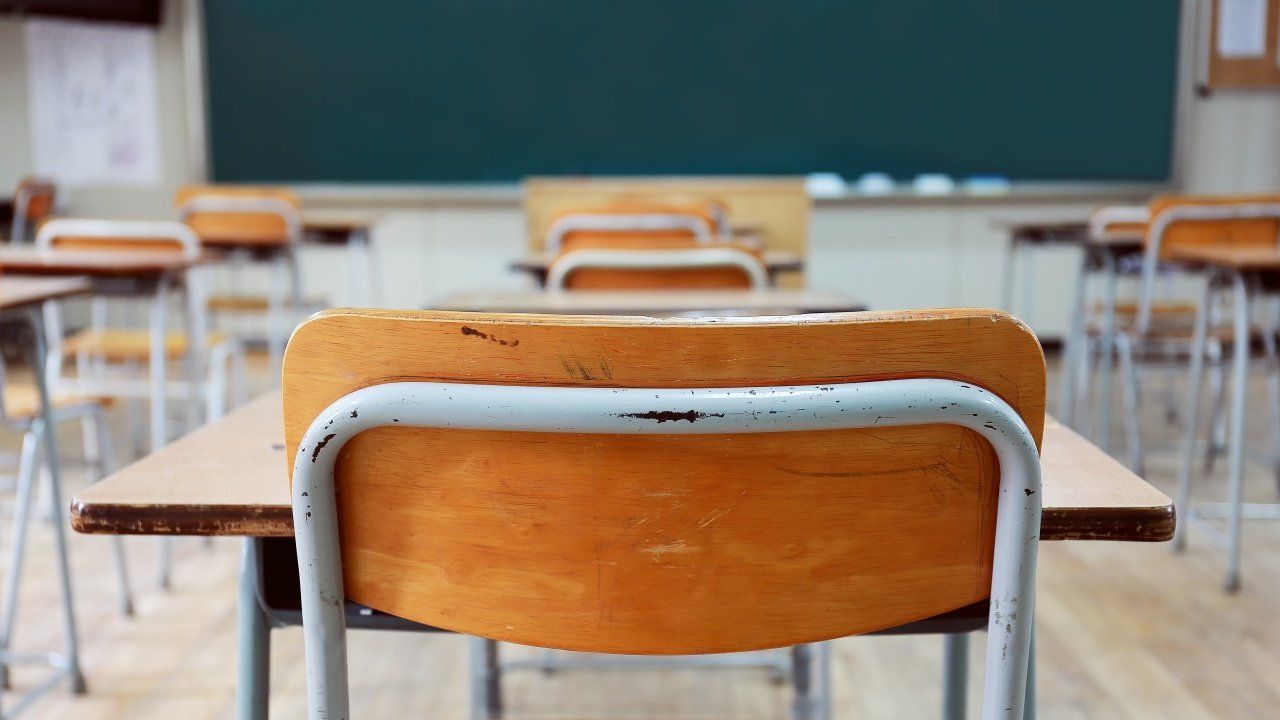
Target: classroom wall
(891, 253)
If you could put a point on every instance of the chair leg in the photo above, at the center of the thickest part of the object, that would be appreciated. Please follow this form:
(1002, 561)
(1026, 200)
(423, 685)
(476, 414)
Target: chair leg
(1132, 426)
(486, 680)
(253, 671)
(1273, 390)
(1190, 431)
(802, 682)
(27, 471)
(215, 403)
(97, 455)
(955, 676)
(1217, 444)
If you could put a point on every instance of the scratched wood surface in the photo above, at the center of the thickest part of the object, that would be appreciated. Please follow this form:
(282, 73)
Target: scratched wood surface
(237, 229)
(663, 543)
(1124, 631)
(229, 478)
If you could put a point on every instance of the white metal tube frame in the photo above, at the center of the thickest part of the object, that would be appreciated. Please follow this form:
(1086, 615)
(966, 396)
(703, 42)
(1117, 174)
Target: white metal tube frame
(1104, 219)
(646, 222)
(893, 403)
(658, 259)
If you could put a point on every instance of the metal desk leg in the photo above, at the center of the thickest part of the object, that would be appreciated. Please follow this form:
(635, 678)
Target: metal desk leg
(486, 680)
(1195, 380)
(28, 470)
(159, 409)
(36, 358)
(802, 682)
(1106, 363)
(955, 677)
(1235, 456)
(253, 669)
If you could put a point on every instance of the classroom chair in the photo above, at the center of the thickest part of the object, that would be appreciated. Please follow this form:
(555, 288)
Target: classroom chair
(637, 223)
(724, 265)
(32, 203)
(106, 358)
(258, 225)
(19, 413)
(1160, 328)
(695, 496)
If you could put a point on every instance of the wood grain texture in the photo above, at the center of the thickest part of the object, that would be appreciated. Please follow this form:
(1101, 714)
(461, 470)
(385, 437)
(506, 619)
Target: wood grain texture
(237, 229)
(664, 543)
(230, 478)
(776, 209)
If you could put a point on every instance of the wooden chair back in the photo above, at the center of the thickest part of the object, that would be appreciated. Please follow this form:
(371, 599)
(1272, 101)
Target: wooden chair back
(775, 210)
(277, 225)
(1119, 222)
(701, 214)
(33, 202)
(96, 235)
(659, 544)
(1261, 229)
(700, 272)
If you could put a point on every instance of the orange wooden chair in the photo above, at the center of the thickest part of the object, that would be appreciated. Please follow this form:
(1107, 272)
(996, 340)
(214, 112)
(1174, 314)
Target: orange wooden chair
(641, 486)
(678, 267)
(251, 224)
(637, 223)
(32, 203)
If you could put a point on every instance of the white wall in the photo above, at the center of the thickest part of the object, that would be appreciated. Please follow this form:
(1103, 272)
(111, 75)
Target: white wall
(129, 201)
(890, 253)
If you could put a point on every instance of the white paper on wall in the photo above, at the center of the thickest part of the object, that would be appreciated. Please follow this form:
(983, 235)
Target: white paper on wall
(92, 98)
(1242, 28)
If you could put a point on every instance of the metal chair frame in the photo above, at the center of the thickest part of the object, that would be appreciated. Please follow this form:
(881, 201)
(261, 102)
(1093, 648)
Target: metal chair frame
(657, 259)
(615, 410)
(619, 223)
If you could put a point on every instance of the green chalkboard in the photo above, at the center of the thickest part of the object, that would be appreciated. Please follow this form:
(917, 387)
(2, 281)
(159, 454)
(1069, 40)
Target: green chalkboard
(494, 90)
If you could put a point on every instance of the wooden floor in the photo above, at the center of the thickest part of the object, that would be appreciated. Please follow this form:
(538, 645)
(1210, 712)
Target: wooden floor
(1125, 631)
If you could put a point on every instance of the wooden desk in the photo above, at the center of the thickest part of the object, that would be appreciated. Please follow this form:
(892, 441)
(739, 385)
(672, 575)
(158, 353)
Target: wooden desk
(17, 291)
(27, 260)
(775, 262)
(22, 323)
(652, 303)
(230, 478)
(133, 273)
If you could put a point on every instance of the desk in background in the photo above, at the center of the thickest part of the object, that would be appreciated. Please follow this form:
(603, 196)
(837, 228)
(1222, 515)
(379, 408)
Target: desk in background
(652, 303)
